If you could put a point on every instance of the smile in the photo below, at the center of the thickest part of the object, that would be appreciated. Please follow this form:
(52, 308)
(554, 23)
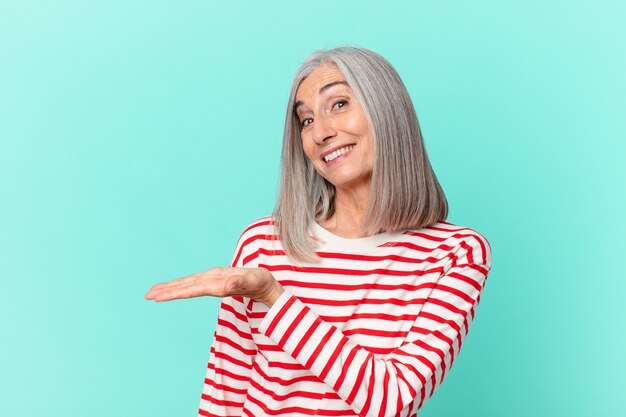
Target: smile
(331, 156)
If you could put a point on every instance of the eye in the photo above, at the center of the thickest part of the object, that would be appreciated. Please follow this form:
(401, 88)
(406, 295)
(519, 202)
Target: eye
(340, 103)
(304, 123)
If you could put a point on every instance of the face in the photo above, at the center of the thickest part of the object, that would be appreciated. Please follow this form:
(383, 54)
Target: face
(335, 133)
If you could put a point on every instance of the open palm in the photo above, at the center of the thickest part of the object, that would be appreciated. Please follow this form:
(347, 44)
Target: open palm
(255, 283)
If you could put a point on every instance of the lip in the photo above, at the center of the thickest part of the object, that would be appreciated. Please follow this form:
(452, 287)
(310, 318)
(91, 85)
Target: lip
(331, 150)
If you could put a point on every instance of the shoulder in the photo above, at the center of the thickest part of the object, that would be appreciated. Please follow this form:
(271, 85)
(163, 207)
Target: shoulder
(256, 235)
(458, 241)
(262, 226)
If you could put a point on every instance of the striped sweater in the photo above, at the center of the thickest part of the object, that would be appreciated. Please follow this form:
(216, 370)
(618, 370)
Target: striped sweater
(372, 330)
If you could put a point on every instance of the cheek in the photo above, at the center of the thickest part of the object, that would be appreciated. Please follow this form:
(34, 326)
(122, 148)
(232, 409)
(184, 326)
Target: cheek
(308, 149)
(357, 121)
(357, 125)
(369, 152)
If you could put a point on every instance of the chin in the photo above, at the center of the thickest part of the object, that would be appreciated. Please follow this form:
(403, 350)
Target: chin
(349, 182)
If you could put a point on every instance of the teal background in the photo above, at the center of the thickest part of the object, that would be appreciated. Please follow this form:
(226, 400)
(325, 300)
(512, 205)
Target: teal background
(139, 138)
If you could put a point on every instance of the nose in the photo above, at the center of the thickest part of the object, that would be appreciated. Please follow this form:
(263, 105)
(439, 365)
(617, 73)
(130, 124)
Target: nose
(322, 129)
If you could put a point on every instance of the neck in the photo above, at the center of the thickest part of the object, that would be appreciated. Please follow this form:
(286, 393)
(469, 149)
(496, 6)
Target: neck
(350, 208)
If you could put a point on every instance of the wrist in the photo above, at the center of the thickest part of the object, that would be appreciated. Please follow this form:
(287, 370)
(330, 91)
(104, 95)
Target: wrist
(274, 294)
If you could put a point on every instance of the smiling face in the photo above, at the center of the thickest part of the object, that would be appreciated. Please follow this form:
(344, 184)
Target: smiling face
(335, 132)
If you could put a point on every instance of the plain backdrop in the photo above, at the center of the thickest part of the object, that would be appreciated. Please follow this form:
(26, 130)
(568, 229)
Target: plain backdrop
(139, 138)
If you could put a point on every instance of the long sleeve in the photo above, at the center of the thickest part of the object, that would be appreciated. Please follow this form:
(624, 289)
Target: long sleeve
(230, 362)
(232, 355)
(399, 383)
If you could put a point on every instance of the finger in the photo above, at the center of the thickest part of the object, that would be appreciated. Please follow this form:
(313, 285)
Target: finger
(175, 282)
(213, 287)
(179, 293)
(178, 283)
(214, 272)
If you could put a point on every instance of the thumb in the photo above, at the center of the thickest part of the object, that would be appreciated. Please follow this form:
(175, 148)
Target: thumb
(232, 284)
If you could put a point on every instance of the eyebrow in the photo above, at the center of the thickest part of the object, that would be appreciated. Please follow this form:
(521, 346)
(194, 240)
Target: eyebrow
(324, 88)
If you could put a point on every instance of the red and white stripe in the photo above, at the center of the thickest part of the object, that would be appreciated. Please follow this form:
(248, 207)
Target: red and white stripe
(365, 332)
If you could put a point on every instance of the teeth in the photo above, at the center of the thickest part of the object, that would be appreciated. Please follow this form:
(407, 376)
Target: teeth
(337, 153)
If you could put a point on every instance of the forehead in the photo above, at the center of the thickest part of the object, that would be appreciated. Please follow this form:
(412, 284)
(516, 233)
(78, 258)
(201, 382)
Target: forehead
(321, 76)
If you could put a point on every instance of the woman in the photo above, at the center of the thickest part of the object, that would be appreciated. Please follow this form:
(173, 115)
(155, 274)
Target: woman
(355, 296)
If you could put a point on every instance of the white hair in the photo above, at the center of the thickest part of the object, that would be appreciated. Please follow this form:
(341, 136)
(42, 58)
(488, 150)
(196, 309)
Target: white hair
(404, 194)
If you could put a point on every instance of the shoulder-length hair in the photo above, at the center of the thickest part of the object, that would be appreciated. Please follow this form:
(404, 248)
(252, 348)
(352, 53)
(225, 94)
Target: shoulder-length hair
(404, 194)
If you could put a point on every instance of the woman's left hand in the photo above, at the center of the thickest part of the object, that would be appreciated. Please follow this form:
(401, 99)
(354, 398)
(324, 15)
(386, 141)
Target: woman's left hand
(255, 283)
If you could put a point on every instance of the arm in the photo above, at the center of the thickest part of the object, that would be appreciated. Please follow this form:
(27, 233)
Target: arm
(231, 358)
(230, 362)
(233, 350)
(407, 377)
